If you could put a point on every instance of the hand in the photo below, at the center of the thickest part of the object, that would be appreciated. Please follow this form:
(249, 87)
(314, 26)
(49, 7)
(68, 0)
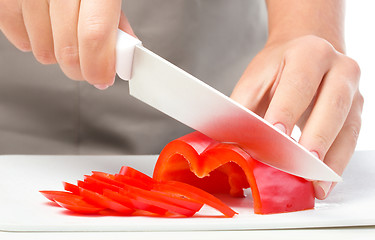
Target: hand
(306, 82)
(79, 35)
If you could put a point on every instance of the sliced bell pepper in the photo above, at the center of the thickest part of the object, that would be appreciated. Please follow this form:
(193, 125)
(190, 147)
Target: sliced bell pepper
(132, 182)
(133, 193)
(153, 198)
(71, 188)
(100, 185)
(98, 199)
(146, 196)
(191, 192)
(71, 201)
(135, 174)
(106, 177)
(78, 205)
(51, 195)
(226, 168)
(129, 200)
(170, 202)
(120, 180)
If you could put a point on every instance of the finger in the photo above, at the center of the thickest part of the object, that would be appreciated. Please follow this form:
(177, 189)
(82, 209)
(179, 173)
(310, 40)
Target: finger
(254, 90)
(331, 108)
(64, 22)
(343, 147)
(97, 31)
(299, 81)
(38, 26)
(124, 25)
(12, 25)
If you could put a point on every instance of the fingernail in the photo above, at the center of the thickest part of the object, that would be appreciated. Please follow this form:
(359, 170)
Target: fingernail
(101, 86)
(322, 189)
(281, 127)
(315, 154)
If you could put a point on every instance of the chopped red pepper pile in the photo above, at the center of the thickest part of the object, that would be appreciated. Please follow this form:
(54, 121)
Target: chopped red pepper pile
(186, 168)
(133, 193)
(226, 168)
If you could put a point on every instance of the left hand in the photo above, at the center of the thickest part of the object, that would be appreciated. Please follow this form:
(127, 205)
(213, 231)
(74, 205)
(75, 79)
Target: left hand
(306, 82)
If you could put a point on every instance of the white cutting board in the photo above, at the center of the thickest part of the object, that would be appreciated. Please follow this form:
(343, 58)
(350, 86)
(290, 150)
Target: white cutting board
(23, 208)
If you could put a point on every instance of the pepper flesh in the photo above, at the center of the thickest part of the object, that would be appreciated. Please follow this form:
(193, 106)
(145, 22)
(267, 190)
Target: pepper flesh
(226, 168)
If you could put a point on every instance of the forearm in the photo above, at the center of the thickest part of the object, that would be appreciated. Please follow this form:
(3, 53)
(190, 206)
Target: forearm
(288, 19)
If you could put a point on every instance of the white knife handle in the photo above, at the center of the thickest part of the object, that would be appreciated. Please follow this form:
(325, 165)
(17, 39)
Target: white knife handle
(124, 54)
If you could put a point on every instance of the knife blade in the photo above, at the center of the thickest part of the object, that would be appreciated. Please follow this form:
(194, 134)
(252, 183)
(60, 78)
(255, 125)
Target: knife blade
(180, 95)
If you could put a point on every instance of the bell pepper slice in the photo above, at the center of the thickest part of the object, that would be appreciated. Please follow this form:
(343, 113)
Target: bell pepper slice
(119, 180)
(100, 185)
(71, 202)
(129, 201)
(51, 195)
(172, 204)
(178, 199)
(98, 199)
(106, 177)
(226, 168)
(132, 182)
(195, 193)
(71, 188)
(135, 174)
(77, 205)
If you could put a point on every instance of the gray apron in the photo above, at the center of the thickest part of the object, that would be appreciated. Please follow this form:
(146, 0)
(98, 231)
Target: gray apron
(43, 112)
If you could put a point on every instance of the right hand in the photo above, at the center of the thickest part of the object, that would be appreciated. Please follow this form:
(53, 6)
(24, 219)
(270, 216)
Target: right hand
(78, 35)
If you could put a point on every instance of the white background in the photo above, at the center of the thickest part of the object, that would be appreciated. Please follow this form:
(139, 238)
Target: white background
(360, 45)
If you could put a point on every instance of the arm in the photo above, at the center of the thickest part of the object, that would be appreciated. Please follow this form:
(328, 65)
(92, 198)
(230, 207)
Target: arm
(288, 19)
(302, 77)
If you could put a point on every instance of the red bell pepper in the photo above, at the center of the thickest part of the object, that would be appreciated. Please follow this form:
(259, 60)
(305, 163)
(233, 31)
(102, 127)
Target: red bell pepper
(226, 168)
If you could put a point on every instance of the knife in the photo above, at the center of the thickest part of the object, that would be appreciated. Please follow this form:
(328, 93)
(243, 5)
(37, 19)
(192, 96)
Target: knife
(171, 90)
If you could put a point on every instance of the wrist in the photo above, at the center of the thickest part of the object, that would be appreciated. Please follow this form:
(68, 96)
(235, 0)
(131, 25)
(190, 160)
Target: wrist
(277, 39)
(291, 19)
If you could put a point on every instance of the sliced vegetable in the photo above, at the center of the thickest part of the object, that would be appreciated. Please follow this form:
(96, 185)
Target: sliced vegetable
(133, 182)
(77, 205)
(88, 186)
(132, 192)
(129, 200)
(135, 174)
(151, 198)
(71, 188)
(100, 185)
(199, 195)
(164, 197)
(108, 178)
(51, 195)
(225, 168)
(105, 202)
